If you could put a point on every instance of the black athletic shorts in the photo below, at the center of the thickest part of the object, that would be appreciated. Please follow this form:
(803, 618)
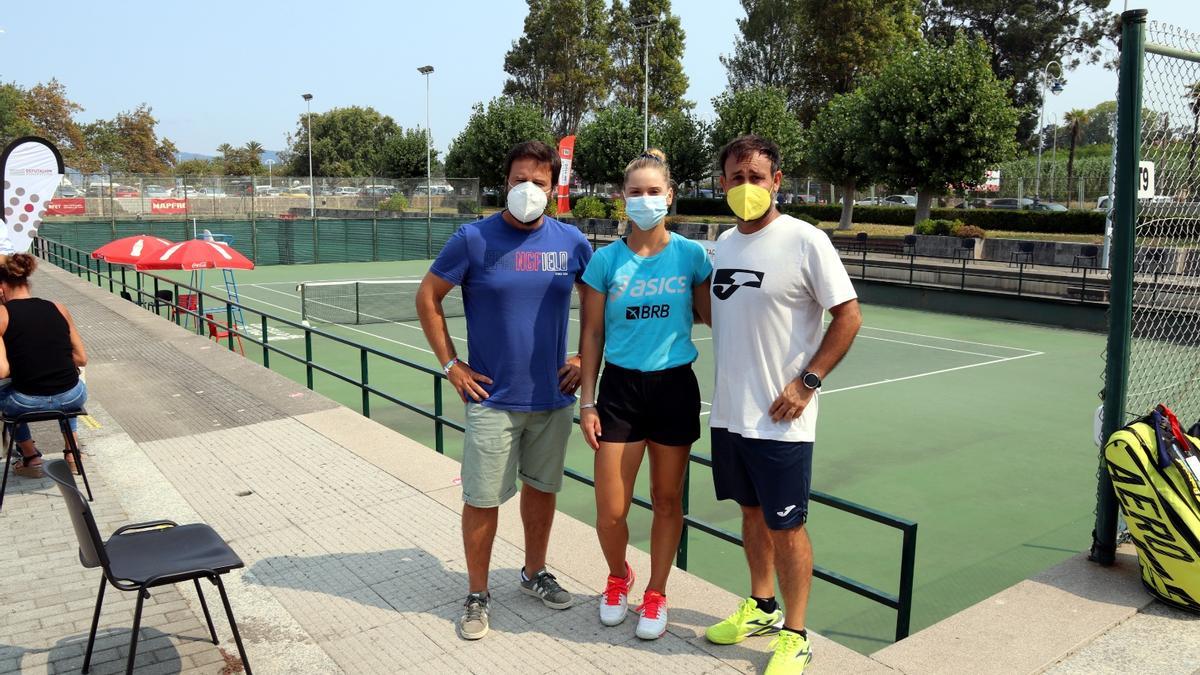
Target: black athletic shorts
(662, 406)
(772, 475)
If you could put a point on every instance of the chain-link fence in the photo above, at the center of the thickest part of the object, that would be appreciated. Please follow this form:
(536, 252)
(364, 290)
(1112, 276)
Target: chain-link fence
(123, 197)
(1153, 352)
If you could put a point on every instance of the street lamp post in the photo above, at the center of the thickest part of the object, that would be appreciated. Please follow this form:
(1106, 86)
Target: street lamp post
(426, 71)
(312, 194)
(645, 24)
(1055, 88)
(270, 173)
(1054, 160)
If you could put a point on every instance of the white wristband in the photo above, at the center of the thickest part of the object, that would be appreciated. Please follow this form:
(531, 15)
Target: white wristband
(449, 364)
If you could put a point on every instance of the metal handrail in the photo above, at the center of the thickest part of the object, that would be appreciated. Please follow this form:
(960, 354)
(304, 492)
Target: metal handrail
(80, 263)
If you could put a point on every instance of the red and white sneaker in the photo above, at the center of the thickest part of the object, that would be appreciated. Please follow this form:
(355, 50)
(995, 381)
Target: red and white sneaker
(614, 602)
(653, 622)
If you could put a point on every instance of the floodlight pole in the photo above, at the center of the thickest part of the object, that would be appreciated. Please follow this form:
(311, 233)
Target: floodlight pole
(426, 71)
(644, 24)
(312, 193)
(1037, 188)
(270, 173)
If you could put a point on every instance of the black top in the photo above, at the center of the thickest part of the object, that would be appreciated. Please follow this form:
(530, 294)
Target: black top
(38, 342)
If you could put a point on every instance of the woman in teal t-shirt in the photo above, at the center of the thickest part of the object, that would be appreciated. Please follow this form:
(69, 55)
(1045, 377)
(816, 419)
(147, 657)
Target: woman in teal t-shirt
(638, 311)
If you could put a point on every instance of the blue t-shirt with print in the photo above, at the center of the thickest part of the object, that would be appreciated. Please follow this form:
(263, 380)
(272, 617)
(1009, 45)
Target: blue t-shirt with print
(516, 288)
(648, 304)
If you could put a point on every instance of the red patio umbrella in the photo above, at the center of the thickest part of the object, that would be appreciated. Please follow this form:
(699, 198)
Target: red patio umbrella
(196, 254)
(129, 250)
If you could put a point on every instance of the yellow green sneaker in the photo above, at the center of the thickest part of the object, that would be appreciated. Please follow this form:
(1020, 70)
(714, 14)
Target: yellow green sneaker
(792, 654)
(747, 621)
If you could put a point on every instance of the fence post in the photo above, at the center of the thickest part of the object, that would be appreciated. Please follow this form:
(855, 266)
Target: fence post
(112, 209)
(375, 237)
(1129, 125)
(253, 220)
(308, 357)
(229, 324)
(908, 563)
(438, 430)
(315, 240)
(366, 393)
(265, 350)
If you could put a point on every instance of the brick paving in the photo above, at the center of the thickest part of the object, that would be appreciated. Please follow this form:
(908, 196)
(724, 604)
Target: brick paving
(348, 567)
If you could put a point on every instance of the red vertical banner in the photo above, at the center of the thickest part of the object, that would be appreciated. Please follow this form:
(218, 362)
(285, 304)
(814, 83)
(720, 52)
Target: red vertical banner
(566, 152)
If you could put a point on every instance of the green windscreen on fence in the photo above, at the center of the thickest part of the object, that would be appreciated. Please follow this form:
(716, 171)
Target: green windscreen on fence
(279, 241)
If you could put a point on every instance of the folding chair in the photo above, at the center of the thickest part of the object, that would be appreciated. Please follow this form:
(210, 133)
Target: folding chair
(162, 299)
(966, 249)
(1087, 253)
(1023, 254)
(142, 556)
(60, 416)
(219, 331)
(910, 245)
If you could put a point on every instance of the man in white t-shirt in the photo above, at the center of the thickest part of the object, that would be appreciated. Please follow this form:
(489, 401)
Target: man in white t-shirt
(774, 278)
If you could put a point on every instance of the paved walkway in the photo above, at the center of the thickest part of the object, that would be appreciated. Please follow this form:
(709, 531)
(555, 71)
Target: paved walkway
(349, 532)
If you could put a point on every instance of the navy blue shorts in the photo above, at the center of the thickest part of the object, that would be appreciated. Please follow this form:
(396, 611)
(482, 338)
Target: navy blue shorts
(773, 475)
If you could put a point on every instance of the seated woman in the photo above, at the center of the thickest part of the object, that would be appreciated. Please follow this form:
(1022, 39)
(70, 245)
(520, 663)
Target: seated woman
(43, 355)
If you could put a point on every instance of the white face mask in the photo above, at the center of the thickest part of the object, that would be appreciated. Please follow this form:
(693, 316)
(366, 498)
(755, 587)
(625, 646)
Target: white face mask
(526, 202)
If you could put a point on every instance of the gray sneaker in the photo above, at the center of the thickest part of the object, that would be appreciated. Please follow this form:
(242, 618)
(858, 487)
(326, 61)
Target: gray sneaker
(543, 585)
(474, 622)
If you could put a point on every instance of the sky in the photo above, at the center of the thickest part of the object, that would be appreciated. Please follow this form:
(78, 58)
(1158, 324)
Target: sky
(224, 71)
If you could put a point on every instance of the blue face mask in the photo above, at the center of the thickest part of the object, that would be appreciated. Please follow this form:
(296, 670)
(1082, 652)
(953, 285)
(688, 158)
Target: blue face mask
(646, 211)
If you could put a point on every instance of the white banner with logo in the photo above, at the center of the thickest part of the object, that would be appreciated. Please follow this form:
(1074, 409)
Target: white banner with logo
(33, 170)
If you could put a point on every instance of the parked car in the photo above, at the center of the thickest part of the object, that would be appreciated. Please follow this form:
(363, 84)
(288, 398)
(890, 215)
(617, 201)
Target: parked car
(899, 200)
(973, 203)
(1011, 203)
(345, 191)
(297, 191)
(156, 191)
(215, 192)
(126, 191)
(433, 189)
(266, 191)
(1047, 206)
(184, 191)
(869, 201)
(68, 191)
(325, 191)
(379, 191)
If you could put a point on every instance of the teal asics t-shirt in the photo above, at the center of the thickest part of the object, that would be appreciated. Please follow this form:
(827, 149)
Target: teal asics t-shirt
(648, 302)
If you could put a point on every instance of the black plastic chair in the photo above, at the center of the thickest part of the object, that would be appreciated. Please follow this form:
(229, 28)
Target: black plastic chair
(142, 556)
(910, 245)
(966, 249)
(126, 296)
(1023, 254)
(162, 299)
(1086, 253)
(60, 416)
(860, 243)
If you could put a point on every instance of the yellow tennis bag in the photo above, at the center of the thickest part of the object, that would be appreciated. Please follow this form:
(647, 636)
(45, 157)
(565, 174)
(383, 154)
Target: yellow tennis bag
(1154, 468)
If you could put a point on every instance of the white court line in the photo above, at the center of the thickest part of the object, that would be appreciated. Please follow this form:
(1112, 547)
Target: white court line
(293, 284)
(364, 332)
(918, 375)
(356, 330)
(917, 344)
(938, 337)
(932, 372)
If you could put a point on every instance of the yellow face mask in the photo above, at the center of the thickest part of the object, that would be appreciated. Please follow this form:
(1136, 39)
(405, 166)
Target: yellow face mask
(748, 201)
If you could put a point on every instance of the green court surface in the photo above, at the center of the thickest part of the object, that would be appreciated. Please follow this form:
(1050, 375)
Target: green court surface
(978, 430)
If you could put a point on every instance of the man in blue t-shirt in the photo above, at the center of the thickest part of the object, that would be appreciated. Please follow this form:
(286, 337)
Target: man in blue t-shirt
(516, 270)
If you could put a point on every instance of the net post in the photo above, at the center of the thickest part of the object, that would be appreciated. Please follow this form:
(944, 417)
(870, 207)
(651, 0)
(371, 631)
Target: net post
(303, 304)
(1129, 124)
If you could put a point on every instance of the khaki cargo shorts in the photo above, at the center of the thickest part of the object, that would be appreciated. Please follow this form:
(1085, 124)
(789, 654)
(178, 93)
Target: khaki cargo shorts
(503, 445)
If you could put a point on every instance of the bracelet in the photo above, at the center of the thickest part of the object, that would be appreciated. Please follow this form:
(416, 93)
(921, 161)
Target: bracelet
(585, 406)
(449, 364)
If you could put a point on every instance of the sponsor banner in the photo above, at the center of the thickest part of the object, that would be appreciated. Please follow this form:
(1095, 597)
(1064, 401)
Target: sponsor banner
(66, 206)
(566, 152)
(168, 206)
(992, 182)
(33, 170)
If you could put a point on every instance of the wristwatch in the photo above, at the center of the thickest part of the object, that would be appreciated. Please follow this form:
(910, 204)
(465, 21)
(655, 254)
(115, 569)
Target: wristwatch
(810, 380)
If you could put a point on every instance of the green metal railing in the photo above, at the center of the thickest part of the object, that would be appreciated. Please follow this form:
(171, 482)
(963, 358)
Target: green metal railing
(146, 291)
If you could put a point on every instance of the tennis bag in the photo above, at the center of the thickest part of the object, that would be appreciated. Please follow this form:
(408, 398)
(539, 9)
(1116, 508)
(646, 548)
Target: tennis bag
(1154, 467)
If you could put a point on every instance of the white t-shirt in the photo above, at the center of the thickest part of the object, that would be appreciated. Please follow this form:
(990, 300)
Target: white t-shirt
(770, 292)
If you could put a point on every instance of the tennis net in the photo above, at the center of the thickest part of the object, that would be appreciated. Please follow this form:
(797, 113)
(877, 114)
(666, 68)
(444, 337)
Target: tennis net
(372, 301)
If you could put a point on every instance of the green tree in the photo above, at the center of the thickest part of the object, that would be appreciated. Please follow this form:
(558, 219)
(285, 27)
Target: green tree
(479, 150)
(816, 49)
(761, 111)
(938, 117)
(129, 143)
(346, 142)
(1022, 37)
(403, 155)
(684, 139)
(607, 143)
(836, 147)
(561, 62)
(14, 123)
(1101, 120)
(199, 167)
(668, 83)
(1076, 121)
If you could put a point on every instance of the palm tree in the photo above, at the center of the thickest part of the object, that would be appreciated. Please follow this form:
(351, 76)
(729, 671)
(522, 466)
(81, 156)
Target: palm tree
(225, 149)
(254, 149)
(1193, 93)
(1076, 120)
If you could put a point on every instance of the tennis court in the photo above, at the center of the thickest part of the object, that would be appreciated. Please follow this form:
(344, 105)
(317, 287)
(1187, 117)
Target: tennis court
(978, 430)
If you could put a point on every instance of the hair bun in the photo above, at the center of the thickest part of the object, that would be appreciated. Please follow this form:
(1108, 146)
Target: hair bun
(657, 154)
(19, 266)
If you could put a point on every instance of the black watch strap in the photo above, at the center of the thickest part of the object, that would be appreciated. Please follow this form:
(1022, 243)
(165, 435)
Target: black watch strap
(810, 380)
